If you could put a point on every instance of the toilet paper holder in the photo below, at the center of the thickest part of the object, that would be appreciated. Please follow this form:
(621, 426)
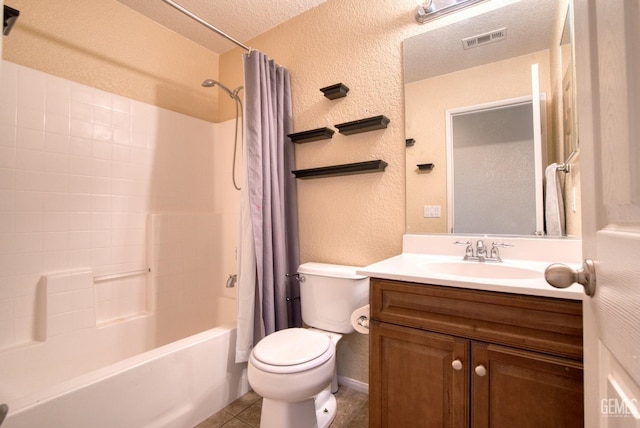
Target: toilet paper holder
(360, 320)
(363, 321)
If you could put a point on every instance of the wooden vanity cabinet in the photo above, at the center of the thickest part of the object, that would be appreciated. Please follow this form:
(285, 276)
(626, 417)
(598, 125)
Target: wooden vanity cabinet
(452, 357)
(411, 380)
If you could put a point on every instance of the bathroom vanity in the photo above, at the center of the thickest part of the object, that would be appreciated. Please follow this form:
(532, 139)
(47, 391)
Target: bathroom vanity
(449, 351)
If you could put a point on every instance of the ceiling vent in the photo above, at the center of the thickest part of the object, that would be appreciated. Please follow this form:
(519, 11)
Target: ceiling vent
(485, 38)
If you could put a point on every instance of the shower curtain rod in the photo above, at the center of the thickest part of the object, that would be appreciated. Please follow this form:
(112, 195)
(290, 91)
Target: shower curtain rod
(206, 24)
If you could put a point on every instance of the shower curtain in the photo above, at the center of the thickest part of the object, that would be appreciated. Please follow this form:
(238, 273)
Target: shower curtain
(268, 236)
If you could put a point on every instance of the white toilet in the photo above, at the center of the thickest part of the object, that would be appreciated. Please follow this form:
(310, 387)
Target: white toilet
(294, 370)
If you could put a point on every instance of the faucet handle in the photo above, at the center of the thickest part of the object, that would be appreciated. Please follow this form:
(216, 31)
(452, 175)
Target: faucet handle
(495, 253)
(468, 252)
(462, 243)
(501, 245)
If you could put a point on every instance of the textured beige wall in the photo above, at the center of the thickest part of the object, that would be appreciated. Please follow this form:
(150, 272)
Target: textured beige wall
(353, 219)
(425, 123)
(358, 219)
(103, 44)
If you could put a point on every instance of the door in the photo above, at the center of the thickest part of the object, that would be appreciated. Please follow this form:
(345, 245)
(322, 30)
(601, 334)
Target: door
(515, 388)
(608, 70)
(418, 378)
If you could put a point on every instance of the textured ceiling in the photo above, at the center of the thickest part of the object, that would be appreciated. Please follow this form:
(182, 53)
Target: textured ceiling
(530, 28)
(240, 19)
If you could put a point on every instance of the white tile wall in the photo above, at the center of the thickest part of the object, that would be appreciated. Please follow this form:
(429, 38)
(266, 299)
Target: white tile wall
(80, 169)
(185, 266)
(70, 303)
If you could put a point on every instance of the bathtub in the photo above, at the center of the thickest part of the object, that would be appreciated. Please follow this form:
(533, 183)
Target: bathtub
(141, 348)
(176, 385)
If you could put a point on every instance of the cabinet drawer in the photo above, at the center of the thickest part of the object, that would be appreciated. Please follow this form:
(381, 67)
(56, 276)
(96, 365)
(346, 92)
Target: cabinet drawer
(542, 324)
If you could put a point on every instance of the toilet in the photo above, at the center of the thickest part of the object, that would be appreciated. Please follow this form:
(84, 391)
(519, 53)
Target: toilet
(294, 370)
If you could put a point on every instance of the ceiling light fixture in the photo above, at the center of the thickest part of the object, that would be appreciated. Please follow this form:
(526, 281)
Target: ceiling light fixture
(431, 9)
(423, 10)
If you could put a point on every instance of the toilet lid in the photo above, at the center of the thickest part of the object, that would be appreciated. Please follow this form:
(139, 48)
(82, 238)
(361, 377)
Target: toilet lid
(291, 346)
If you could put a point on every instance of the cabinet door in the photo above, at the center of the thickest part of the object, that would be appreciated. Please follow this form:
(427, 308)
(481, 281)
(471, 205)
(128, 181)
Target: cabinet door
(413, 382)
(513, 388)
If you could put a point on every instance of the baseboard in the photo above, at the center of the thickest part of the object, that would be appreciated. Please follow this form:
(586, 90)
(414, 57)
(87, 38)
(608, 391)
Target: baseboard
(353, 384)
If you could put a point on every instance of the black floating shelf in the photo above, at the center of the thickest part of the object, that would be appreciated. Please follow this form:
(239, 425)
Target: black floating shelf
(10, 15)
(409, 142)
(338, 90)
(425, 166)
(363, 125)
(346, 169)
(312, 135)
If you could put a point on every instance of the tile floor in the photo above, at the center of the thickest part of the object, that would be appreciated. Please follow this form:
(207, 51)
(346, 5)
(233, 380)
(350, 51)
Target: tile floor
(353, 411)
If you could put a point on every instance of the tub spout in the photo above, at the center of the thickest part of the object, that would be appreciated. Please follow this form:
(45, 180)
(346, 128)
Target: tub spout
(231, 281)
(4, 409)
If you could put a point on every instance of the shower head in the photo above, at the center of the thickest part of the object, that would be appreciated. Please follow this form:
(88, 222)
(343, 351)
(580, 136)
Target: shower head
(209, 83)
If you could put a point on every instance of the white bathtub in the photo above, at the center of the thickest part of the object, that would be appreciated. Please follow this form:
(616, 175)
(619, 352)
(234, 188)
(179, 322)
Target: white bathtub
(175, 385)
(142, 349)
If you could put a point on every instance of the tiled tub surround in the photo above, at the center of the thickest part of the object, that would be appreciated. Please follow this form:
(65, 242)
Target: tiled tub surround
(93, 184)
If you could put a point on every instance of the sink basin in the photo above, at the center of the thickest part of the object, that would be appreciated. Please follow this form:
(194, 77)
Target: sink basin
(482, 270)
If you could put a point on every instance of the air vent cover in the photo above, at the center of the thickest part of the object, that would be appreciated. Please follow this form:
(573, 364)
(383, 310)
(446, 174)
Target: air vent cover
(485, 38)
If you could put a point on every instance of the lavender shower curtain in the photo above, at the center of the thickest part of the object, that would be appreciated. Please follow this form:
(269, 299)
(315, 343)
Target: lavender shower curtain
(268, 248)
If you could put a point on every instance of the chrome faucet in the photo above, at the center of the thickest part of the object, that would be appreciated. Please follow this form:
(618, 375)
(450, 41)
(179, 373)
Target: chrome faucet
(480, 252)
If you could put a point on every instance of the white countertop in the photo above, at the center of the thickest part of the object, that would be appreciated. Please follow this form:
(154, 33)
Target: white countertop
(410, 267)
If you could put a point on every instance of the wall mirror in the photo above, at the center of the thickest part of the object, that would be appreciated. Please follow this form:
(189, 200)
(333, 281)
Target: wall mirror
(481, 60)
(569, 118)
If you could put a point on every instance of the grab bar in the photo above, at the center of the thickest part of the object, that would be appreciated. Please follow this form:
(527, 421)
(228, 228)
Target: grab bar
(127, 274)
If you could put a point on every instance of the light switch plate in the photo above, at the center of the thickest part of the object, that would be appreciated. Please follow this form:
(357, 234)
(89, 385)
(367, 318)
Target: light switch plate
(432, 211)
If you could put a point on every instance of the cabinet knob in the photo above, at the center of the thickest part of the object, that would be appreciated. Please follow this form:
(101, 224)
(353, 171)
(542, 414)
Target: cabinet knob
(456, 364)
(481, 370)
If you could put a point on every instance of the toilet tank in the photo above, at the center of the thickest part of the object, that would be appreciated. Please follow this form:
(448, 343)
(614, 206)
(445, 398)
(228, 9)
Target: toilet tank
(329, 294)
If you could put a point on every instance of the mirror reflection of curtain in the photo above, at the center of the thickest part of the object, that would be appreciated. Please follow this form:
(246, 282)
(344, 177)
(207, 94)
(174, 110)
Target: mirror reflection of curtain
(493, 171)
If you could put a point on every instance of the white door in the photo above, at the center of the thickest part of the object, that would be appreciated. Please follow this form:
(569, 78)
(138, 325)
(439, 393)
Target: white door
(608, 82)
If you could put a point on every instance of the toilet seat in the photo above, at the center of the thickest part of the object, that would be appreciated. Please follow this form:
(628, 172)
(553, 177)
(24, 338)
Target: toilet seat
(292, 350)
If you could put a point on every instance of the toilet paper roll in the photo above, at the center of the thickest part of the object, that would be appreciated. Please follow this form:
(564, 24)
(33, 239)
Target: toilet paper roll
(360, 319)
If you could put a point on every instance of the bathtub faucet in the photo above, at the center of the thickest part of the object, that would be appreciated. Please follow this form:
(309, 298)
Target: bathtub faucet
(231, 281)
(4, 409)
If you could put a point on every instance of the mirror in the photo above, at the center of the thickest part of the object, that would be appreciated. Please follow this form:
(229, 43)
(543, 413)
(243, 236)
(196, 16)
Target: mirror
(484, 59)
(569, 116)
(481, 140)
